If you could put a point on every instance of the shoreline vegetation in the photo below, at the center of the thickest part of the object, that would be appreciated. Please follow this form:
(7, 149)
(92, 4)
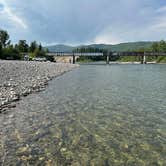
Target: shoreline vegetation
(20, 78)
(20, 50)
(159, 59)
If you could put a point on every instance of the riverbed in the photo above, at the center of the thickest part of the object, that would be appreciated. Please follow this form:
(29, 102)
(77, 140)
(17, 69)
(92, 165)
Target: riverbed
(93, 115)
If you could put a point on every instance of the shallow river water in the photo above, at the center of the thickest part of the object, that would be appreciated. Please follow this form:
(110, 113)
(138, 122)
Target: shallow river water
(97, 115)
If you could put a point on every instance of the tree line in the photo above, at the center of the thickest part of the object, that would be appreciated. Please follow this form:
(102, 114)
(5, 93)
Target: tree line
(17, 51)
(158, 46)
(90, 50)
(155, 47)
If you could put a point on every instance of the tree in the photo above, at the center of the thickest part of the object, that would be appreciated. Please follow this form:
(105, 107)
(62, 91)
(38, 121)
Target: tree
(0, 51)
(37, 53)
(33, 46)
(4, 38)
(40, 47)
(159, 46)
(90, 50)
(162, 46)
(22, 46)
(155, 47)
(10, 52)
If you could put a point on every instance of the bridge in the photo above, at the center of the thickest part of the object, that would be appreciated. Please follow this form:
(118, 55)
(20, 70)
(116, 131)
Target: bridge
(108, 55)
(74, 55)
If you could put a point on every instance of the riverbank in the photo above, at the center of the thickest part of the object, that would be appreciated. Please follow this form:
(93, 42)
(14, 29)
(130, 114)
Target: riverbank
(135, 62)
(20, 78)
(158, 59)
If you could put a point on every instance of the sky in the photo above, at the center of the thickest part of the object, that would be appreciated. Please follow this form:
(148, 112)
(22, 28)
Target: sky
(77, 22)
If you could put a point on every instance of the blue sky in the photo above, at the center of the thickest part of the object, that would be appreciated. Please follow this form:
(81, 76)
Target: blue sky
(84, 21)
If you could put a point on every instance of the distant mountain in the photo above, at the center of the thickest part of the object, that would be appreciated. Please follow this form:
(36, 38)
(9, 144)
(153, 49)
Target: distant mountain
(117, 47)
(60, 48)
(131, 46)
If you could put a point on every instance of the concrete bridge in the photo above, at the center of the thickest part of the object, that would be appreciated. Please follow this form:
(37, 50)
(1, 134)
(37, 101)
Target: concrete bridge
(74, 55)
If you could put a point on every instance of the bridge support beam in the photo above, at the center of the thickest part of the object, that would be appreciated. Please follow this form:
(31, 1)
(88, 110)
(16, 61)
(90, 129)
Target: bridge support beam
(144, 58)
(108, 58)
(142, 62)
(74, 59)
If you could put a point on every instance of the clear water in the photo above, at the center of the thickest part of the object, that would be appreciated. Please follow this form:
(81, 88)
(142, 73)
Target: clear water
(93, 115)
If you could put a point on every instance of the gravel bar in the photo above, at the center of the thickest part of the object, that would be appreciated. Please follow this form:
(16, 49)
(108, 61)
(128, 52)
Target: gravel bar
(20, 78)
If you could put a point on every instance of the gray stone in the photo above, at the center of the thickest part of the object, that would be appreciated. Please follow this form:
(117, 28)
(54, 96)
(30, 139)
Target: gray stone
(20, 78)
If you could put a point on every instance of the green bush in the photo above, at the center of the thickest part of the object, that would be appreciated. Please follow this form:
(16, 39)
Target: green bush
(10, 53)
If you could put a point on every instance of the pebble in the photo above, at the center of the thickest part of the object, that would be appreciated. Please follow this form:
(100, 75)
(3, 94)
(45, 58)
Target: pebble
(20, 78)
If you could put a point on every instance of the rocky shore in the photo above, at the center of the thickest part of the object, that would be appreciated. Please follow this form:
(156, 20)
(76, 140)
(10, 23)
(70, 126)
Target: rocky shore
(20, 78)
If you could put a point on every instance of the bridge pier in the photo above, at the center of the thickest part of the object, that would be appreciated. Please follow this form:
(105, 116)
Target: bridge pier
(74, 59)
(143, 59)
(108, 58)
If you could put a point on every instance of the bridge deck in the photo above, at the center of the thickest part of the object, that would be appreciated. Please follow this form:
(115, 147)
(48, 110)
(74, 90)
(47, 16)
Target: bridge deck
(110, 54)
(75, 54)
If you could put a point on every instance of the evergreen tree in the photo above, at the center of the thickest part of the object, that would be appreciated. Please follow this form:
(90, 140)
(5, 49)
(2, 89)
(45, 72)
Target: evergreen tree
(33, 46)
(162, 46)
(4, 38)
(0, 51)
(155, 47)
(22, 46)
(40, 47)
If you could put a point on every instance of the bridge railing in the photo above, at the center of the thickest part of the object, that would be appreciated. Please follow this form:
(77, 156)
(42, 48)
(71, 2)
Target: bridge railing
(155, 53)
(111, 54)
(138, 54)
(60, 54)
(88, 54)
(75, 54)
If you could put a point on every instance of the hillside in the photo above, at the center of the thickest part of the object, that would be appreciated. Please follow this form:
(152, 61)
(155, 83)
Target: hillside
(131, 46)
(117, 47)
(60, 48)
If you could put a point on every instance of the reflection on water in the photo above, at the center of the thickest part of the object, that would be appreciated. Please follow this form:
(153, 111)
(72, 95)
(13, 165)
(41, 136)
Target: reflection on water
(94, 115)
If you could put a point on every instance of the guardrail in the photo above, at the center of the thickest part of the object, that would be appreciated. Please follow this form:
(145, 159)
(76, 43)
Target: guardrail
(138, 54)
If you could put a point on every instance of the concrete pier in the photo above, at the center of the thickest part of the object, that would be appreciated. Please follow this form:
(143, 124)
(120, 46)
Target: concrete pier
(144, 58)
(108, 58)
(74, 60)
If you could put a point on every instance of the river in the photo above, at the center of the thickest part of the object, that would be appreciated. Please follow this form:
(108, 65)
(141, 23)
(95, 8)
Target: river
(94, 115)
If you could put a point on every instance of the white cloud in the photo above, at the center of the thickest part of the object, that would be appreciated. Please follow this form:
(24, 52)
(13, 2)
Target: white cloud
(159, 22)
(150, 25)
(161, 9)
(7, 12)
(84, 21)
(107, 36)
